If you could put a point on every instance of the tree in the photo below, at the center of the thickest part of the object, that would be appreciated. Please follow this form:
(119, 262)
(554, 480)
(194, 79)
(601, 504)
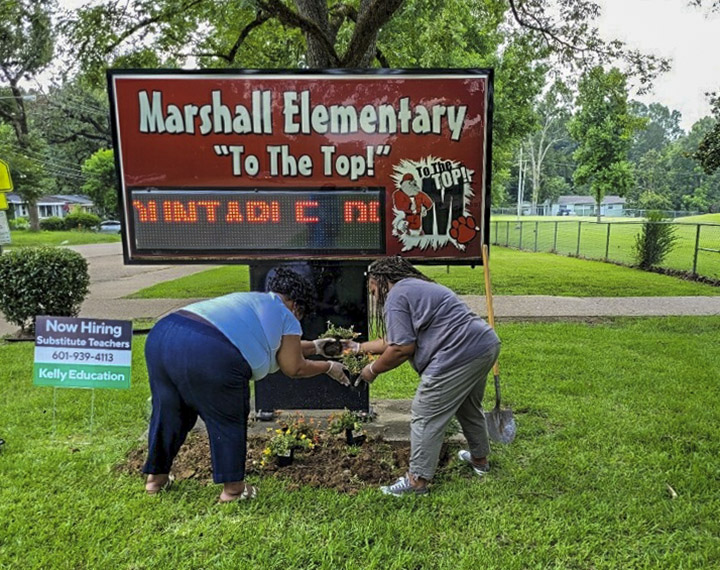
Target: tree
(515, 37)
(661, 128)
(552, 112)
(101, 183)
(29, 175)
(708, 151)
(26, 48)
(603, 128)
(74, 123)
(685, 175)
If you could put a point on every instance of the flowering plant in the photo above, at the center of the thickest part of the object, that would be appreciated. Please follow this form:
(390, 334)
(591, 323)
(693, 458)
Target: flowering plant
(354, 362)
(299, 426)
(341, 333)
(346, 420)
(291, 435)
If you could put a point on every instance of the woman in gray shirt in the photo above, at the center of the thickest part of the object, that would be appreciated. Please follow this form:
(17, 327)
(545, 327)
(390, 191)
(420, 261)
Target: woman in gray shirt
(450, 347)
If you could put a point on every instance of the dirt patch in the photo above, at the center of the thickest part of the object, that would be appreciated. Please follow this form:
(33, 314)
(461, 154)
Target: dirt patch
(332, 464)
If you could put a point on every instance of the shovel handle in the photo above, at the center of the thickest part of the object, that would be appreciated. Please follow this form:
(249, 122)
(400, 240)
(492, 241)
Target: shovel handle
(489, 299)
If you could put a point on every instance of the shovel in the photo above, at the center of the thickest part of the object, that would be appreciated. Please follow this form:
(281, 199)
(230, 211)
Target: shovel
(500, 423)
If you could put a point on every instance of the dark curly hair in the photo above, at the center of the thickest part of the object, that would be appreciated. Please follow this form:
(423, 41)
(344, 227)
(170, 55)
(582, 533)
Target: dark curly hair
(388, 271)
(295, 287)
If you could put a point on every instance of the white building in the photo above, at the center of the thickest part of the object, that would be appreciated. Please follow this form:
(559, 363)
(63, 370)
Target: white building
(58, 205)
(610, 206)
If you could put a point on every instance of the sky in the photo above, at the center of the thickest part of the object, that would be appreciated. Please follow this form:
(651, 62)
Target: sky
(689, 36)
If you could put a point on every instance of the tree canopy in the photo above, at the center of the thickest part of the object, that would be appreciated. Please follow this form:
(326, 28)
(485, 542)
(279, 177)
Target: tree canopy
(529, 43)
(603, 129)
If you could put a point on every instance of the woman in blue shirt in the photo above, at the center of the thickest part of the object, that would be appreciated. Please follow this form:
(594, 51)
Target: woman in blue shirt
(200, 360)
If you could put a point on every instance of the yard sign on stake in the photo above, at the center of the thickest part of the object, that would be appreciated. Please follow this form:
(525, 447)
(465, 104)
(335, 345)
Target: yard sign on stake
(82, 353)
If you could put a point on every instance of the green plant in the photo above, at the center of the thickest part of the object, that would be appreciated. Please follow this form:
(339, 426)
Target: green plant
(284, 442)
(345, 420)
(52, 224)
(41, 281)
(656, 239)
(300, 427)
(19, 224)
(81, 221)
(356, 362)
(338, 332)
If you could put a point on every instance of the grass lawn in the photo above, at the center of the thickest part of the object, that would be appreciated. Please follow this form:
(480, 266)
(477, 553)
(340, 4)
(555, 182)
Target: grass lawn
(513, 273)
(608, 415)
(22, 238)
(540, 234)
(702, 219)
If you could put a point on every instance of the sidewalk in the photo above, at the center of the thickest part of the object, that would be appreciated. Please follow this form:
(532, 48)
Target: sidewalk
(111, 280)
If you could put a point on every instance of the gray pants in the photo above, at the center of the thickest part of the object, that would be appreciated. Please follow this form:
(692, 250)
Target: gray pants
(458, 392)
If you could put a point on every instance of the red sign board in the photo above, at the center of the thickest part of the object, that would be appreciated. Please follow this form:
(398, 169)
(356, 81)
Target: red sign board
(223, 166)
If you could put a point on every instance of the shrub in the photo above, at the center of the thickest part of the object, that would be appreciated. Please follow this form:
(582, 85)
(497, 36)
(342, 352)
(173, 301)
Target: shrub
(656, 239)
(41, 281)
(19, 224)
(53, 224)
(81, 221)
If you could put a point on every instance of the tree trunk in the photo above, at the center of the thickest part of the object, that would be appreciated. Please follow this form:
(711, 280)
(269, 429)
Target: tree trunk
(316, 12)
(33, 216)
(370, 52)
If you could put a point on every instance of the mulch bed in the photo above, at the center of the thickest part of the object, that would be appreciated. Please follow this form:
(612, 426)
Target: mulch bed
(332, 464)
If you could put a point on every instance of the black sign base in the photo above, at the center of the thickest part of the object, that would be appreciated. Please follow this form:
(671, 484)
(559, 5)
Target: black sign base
(342, 299)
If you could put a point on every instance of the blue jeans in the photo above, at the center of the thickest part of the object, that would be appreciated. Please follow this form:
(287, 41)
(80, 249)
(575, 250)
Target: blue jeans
(195, 370)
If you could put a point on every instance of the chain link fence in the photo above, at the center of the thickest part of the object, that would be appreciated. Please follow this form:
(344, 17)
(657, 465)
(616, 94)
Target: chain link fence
(545, 210)
(696, 251)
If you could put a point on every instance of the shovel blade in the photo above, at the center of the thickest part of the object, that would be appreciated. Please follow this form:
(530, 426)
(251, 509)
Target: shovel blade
(501, 425)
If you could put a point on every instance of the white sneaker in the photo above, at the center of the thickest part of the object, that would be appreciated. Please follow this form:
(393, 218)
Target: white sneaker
(464, 455)
(402, 487)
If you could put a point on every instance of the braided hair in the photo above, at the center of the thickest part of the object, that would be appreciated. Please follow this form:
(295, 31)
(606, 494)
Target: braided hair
(294, 287)
(386, 272)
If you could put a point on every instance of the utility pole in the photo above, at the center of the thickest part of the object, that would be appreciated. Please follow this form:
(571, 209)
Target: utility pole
(520, 185)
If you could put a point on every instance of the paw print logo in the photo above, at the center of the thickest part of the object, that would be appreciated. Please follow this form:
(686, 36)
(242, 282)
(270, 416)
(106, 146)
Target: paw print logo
(463, 229)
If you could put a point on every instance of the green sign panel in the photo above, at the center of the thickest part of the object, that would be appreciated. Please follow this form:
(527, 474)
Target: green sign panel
(82, 353)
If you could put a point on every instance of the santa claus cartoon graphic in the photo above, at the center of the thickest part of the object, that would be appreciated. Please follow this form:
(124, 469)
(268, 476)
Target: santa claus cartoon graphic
(412, 203)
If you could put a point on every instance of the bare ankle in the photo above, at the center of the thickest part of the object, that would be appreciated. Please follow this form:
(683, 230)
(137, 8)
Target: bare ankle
(417, 482)
(479, 461)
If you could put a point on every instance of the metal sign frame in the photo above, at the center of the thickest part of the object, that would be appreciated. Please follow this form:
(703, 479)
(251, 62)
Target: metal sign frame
(441, 143)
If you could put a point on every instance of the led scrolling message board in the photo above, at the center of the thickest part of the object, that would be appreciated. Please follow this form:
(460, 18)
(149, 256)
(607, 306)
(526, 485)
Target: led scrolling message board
(229, 167)
(263, 220)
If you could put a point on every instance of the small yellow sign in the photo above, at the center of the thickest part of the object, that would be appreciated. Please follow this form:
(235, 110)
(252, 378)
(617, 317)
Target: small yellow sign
(3, 202)
(5, 181)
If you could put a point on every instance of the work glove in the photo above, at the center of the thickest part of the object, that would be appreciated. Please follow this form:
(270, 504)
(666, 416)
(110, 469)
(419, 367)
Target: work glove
(339, 373)
(367, 375)
(350, 345)
(328, 347)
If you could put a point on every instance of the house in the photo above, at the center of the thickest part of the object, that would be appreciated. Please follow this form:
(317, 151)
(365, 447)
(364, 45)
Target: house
(58, 205)
(610, 206)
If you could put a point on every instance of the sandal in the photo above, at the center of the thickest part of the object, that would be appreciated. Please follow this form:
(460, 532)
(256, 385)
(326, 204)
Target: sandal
(248, 493)
(164, 487)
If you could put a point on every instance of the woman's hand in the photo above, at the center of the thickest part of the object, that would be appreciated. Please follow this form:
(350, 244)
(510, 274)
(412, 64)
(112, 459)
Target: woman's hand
(339, 373)
(351, 346)
(328, 347)
(367, 375)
